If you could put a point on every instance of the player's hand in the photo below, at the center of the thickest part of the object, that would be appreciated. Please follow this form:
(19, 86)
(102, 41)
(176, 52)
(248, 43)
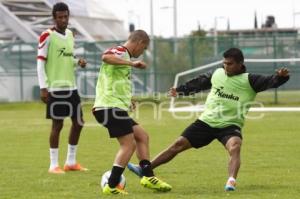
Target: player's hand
(82, 63)
(283, 72)
(133, 105)
(44, 95)
(172, 92)
(139, 64)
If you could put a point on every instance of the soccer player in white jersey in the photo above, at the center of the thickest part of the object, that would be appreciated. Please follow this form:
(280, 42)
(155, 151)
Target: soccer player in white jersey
(55, 67)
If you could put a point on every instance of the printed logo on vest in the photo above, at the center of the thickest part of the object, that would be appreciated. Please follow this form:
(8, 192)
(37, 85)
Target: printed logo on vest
(221, 93)
(63, 53)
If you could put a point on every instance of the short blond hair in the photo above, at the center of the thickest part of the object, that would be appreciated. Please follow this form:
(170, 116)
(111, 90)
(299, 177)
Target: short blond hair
(139, 35)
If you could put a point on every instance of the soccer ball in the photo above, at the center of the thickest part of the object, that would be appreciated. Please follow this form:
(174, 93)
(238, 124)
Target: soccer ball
(106, 175)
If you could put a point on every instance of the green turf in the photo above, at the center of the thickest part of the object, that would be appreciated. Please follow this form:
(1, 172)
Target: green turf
(270, 158)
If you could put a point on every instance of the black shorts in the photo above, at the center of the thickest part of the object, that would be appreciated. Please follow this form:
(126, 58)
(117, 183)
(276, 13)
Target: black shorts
(63, 104)
(116, 120)
(200, 134)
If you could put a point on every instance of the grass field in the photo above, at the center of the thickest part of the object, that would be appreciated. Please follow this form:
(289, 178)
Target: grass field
(270, 158)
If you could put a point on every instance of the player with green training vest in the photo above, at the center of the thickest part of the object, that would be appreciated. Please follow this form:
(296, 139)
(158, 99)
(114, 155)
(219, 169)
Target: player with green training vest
(112, 102)
(55, 67)
(232, 92)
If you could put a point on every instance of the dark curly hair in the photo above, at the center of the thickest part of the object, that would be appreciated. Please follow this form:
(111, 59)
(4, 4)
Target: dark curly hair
(60, 6)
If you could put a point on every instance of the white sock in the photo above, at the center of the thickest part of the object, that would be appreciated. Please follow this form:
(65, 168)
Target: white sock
(231, 179)
(71, 156)
(53, 158)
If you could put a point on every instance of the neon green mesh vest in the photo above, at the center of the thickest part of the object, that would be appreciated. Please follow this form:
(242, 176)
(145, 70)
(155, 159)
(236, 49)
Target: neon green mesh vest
(60, 61)
(228, 101)
(113, 88)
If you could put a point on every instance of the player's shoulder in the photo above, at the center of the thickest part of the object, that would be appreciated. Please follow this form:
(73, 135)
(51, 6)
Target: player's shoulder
(219, 70)
(118, 50)
(45, 35)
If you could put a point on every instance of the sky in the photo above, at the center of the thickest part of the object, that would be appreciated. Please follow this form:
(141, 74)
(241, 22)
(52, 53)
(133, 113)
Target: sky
(191, 13)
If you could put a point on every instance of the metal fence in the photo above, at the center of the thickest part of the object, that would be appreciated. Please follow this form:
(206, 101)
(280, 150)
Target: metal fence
(165, 58)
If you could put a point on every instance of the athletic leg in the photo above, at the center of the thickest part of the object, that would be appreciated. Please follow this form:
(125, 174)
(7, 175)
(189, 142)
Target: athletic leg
(142, 143)
(56, 128)
(181, 144)
(75, 131)
(233, 147)
(127, 147)
(57, 125)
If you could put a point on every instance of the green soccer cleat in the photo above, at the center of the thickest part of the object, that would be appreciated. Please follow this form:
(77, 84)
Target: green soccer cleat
(113, 191)
(155, 183)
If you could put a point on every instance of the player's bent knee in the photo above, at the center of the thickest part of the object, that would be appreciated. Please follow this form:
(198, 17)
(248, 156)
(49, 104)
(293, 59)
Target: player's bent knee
(235, 147)
(144, 138)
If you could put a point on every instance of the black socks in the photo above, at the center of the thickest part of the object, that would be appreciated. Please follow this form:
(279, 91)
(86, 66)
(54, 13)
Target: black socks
(117, 171)
(115, 176)
(146, 168)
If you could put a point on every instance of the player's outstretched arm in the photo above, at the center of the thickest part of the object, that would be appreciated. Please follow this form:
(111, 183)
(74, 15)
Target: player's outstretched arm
(261, 83)
(195, 85)
(115, 60)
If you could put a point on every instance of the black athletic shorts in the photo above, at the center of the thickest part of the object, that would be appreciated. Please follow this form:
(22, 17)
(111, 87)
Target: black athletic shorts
(200, 134)
(63, 104)
(116, 120)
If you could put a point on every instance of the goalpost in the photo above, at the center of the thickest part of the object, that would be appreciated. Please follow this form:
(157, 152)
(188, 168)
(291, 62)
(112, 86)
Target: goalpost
(199, 108)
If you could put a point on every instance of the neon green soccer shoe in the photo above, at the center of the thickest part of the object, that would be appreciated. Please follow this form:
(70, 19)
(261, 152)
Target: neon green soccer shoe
(112, 191)
(155, 183)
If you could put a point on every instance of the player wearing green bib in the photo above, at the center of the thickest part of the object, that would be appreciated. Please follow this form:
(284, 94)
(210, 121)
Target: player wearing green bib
(228, 100)
(113, 100)
(230, 97)
(114, 82)
(55, 67)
